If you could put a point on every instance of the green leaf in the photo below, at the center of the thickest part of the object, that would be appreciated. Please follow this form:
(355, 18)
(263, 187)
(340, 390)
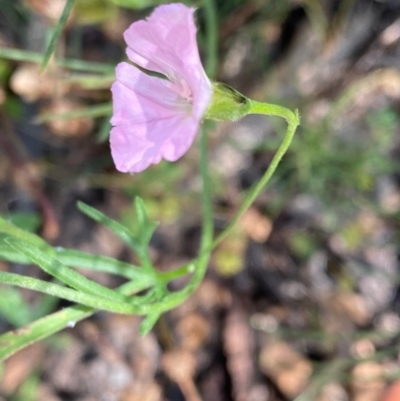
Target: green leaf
(13, 307)
(105, 264)
(75, 258)
(57, 31)
(104, 130)
(10, 254)
(54, 267)
(73, 64)
(7, 229)
(148, 323)
(99, 110)
(29, 221)
(137, 4)
(146, 226)
(69, 294)
(16, 340)
(121, 231)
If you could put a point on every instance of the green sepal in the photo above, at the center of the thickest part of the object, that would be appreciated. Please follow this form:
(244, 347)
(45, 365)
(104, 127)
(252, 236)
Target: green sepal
(227, 104)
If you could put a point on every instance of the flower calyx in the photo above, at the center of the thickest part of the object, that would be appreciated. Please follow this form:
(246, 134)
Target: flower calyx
(227, 104)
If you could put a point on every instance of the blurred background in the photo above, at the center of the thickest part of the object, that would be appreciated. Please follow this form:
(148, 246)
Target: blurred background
(302, 301)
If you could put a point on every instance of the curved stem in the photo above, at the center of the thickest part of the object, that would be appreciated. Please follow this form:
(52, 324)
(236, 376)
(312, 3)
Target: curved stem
(293, 120)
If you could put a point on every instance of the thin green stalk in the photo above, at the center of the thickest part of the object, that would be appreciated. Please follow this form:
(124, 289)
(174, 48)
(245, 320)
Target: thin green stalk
(293, 120)
(208, 228)
(98, 110)
(201, 263)
(56, 34)
(73, 64)
(211, 37)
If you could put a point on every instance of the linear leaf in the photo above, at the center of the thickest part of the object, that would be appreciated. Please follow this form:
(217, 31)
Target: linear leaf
(16, 340)
(69, 294)
(146, 226)
(13, 307)
(105, 264)
(148, 323)
(54, 267)
(56, 33)
(73, 64)
(121, 231)
(99, 110)
(7, 229)
(84, 260)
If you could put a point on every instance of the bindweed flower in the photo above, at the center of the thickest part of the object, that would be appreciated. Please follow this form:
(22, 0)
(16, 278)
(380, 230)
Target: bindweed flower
(156, 116)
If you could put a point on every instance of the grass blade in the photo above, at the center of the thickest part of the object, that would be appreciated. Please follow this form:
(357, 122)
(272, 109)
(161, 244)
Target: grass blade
(99, 110)
(57, 31)
(72, 64)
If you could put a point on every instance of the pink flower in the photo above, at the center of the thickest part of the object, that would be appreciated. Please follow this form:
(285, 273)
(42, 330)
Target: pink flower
(158, 117)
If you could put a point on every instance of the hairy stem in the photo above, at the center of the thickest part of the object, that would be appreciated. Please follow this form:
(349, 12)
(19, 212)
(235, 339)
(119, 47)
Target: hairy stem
(293, 120)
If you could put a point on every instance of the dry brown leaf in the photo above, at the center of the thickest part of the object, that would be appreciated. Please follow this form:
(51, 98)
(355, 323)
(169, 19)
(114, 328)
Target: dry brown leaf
(367, 381)
(355, 307)
(30, 84)
(142, 391)
(193, 330)
(180, 366)
(19, 367)
(238, 347)
(287, 368)
(257, 226)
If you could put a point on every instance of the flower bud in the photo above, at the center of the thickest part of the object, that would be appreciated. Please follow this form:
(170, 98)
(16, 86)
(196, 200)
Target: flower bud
(227, 104)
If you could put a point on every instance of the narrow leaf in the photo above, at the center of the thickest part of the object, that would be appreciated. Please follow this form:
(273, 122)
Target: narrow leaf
(14, 341)
(74, 258)
(13, 308)
(7, 229)
(148, 323)
(57, 31)
(54, 267)
(72, 295)
(99, 110)
(146, 226)
(121, 231)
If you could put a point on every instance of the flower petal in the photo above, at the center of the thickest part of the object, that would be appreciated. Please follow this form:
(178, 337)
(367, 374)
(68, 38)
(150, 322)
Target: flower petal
(135, 146)
(165, 42)
(138, 97)
(157, 118)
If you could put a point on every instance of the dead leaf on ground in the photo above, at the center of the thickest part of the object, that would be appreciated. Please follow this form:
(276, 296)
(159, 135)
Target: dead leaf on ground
(287, 368)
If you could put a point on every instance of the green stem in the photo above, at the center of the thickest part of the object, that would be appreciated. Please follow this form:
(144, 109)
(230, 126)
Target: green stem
(171, 275)
(208, 228)
(211, 37)
(293, 120)
(201, 263)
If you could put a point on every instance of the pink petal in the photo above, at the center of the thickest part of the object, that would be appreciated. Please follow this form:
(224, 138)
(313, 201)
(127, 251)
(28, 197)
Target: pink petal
(157, 118)
(135, 146)
(165, 42)
(138, 97)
